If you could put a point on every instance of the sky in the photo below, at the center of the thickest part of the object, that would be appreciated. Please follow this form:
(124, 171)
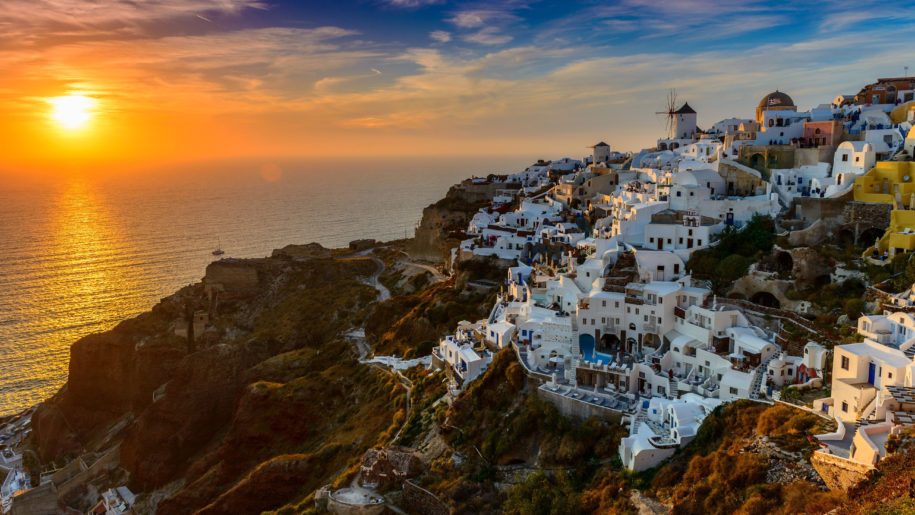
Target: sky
(188, 80)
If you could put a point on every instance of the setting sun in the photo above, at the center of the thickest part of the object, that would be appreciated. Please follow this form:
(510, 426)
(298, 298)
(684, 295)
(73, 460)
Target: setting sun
(73, 111)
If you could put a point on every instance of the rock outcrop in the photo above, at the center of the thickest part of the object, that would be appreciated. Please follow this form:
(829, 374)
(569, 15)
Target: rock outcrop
(443, 223)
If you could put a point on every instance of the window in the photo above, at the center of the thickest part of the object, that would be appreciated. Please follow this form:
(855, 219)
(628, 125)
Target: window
(844, 157)
(889, 375)
(603, 303)
(844, 406)
(844, 363)
(616, 304)
(733, 390)
(857, 159)
(679, 193)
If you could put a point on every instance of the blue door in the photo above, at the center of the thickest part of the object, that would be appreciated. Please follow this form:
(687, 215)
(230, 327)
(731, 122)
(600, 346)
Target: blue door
(871, 373)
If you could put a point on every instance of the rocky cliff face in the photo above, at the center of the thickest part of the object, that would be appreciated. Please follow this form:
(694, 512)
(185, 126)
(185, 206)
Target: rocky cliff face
(276, 394)
(442, 222)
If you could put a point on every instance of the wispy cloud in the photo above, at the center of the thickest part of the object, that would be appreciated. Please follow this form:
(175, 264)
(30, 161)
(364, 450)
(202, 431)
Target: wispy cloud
(411, 4)
(441, 36)
(488, 36)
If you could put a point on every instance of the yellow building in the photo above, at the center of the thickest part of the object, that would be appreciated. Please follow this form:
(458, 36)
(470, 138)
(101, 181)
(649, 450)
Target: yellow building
(891, 182)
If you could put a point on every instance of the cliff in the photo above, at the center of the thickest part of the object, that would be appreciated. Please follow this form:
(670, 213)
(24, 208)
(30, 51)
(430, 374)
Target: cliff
(443, 223)
(268, 394)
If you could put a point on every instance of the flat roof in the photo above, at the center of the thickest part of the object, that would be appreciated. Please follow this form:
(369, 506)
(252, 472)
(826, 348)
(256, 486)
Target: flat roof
(889, 356)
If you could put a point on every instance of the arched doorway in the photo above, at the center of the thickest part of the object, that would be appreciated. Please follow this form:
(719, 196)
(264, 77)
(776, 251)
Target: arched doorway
(650, 341)
(609, 343)
(586, 345)
(846, 237)
(764, 298)
(757, 161)
(784, 262)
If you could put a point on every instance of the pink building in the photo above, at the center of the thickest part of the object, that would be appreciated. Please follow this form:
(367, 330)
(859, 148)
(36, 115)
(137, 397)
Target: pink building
(825, 133)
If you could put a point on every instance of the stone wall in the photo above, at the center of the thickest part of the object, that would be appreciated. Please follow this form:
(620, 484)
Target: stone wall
(419, 500)
(385, 466)
(838, 473)
(828, 210)
(41, 500)
(812, 156)
(231, 276)
(576, 409)
(873, 214)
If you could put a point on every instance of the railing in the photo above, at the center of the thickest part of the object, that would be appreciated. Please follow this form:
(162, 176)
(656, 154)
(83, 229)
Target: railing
(634, 300)
(679, 312)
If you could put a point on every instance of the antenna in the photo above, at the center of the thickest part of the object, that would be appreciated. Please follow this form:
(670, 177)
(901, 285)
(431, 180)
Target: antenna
(906, 71)
(670, 113)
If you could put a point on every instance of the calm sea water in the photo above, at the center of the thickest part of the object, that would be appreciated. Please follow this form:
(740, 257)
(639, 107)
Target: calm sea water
(79, 254)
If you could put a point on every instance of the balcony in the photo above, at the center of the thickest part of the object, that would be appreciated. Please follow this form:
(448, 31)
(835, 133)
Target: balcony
(634, 300)
(679, 312)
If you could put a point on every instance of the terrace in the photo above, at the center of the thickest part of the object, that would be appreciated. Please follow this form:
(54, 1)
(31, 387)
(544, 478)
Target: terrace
(602, 398)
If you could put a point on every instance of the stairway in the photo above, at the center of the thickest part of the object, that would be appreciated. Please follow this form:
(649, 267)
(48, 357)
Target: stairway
(673, 389)
(758, 375)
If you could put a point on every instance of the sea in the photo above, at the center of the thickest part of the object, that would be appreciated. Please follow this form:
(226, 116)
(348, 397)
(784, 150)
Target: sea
(81, 251)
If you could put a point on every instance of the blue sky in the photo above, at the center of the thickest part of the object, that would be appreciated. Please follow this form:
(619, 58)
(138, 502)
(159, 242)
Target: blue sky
(438, 77)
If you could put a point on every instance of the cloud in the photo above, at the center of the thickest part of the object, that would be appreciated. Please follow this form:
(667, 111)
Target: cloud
(411, 4)
(488, 36)
(43, 19)
(475, 18)
(440, 35)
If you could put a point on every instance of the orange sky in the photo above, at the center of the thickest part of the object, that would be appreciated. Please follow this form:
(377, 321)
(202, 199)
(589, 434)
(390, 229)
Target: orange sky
(188, 80)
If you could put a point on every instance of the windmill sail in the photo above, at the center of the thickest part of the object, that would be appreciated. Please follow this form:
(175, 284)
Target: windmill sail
(670, 113)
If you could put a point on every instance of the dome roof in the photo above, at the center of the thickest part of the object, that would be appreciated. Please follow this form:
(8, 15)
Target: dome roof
(776, 99)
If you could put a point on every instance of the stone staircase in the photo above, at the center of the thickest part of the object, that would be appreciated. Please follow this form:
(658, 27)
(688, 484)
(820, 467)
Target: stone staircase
(673, 389)
(910, 352)
(758, 375)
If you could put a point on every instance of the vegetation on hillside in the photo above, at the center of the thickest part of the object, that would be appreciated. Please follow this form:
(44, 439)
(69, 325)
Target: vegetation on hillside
(733, 252)
(411, 325)
(889, 490)
(712, 475)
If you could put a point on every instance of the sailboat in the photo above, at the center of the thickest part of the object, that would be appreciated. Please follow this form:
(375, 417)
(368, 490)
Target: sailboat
(218, 251)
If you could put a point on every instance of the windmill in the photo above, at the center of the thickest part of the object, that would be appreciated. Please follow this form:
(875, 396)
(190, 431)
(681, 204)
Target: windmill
(670, 113)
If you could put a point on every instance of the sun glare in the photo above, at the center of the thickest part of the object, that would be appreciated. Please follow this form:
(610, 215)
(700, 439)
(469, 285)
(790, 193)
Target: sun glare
(72, 111)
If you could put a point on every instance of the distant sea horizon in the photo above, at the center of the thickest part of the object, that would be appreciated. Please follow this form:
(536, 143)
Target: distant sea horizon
(79, 254)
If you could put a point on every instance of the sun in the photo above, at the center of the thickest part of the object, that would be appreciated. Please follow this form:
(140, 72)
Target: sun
(72, 111)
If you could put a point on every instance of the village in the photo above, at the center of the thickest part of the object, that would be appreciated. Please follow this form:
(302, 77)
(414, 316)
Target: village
(605, 307)
(763, 260)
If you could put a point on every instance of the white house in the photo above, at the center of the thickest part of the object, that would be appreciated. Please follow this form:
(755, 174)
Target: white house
(853, 158)
(466, 364)
(667, 425)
